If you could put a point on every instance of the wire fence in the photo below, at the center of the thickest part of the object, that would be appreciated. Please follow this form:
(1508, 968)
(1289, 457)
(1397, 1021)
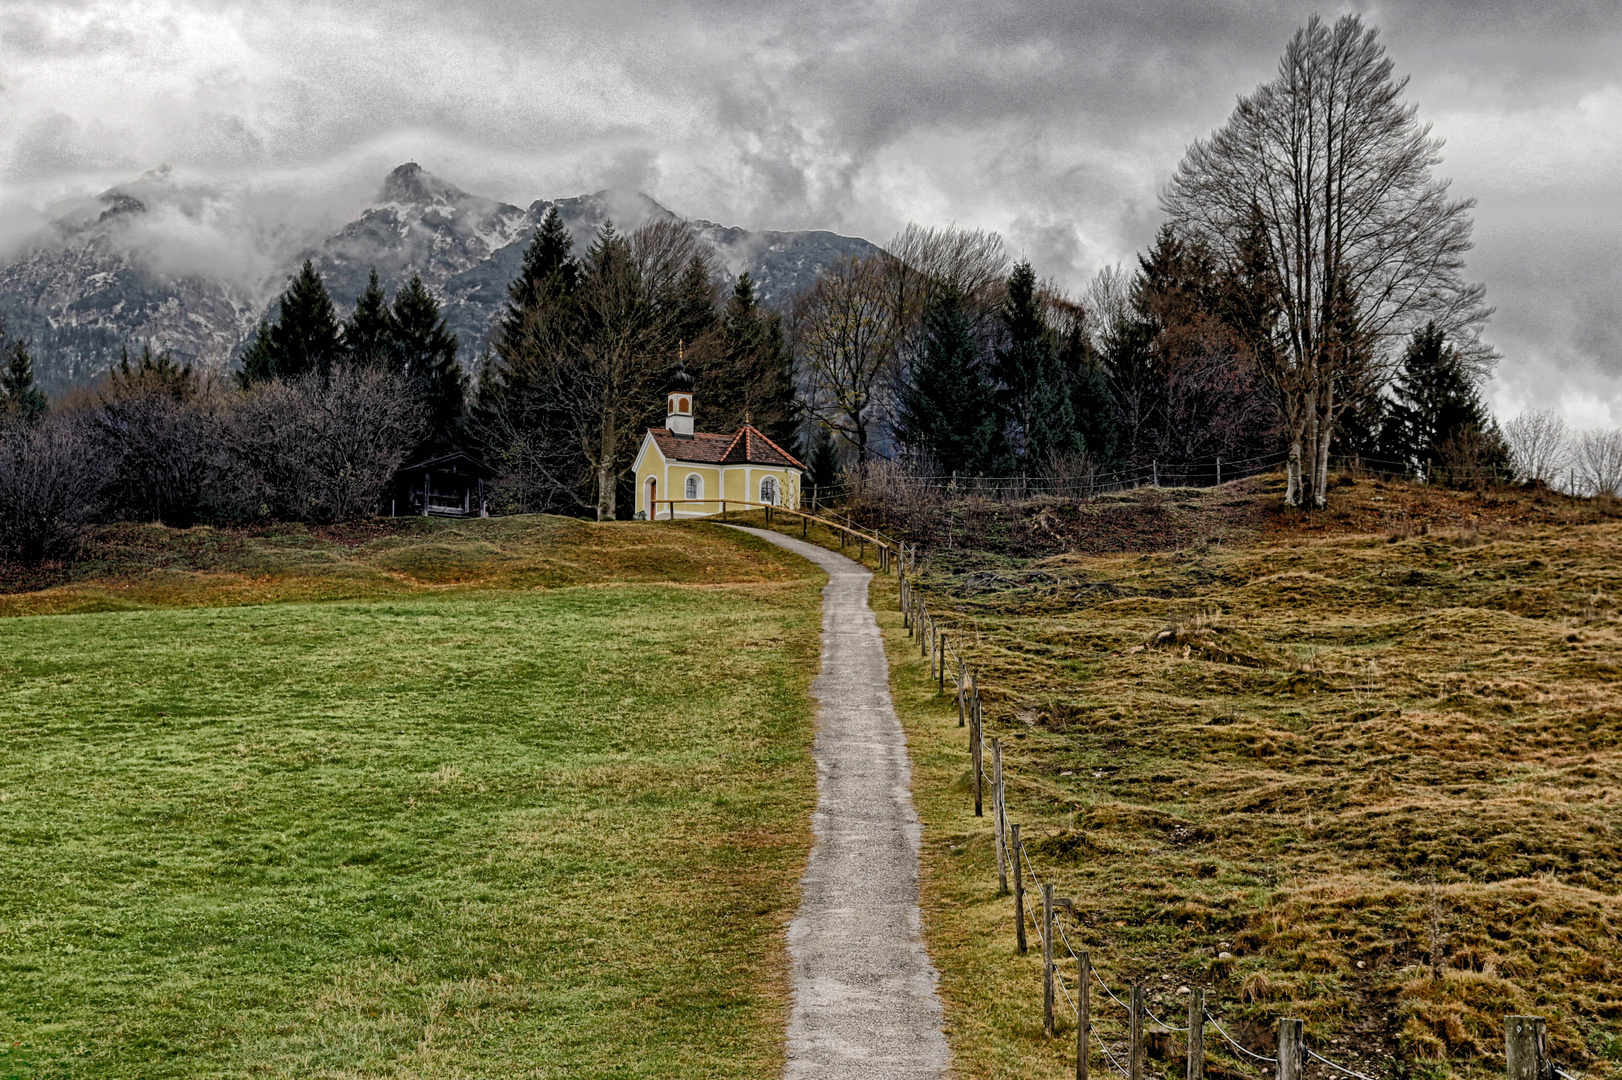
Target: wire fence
(946, 659)
(1083, 480)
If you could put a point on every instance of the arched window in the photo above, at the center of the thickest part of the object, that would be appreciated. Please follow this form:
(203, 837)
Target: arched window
(695, 487)
(768, 490)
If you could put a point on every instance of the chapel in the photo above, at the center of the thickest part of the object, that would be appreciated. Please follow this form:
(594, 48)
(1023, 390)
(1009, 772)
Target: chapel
(702, 472)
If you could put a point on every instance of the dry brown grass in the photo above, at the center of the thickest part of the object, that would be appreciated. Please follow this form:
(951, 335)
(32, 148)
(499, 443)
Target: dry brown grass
(132, 566)
(1381, 769)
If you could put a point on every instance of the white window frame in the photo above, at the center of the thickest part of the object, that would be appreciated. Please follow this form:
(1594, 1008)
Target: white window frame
(777, 490)
(693, 486)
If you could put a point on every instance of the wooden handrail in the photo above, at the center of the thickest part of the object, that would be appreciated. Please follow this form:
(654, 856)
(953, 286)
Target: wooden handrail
(872, 538)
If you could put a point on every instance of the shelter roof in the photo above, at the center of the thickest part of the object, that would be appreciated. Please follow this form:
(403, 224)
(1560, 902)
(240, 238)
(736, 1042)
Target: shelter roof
(457, 463)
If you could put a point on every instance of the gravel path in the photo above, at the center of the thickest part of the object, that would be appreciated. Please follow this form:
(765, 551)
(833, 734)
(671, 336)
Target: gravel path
(864, 989)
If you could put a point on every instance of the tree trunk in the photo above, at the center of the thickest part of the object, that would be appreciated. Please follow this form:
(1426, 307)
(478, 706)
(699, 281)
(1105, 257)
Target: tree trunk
(1326, 432)
(605, 468)
(1309, 466)
(1292, 488)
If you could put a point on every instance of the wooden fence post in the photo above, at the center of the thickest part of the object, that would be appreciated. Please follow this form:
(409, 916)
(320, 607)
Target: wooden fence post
(977, 751)
(962, 693)
(1196, 1034)
(1084, 1012)
(1291, 1050)
(1526, 1048)
(1047, 959)
(1134, 1043)
(999, 815)
(1019, 890)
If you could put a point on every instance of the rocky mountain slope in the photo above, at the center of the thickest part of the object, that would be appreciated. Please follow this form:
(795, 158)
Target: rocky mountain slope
(91, 284)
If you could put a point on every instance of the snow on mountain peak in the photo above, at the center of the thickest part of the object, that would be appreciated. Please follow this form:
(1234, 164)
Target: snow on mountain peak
(411, 185)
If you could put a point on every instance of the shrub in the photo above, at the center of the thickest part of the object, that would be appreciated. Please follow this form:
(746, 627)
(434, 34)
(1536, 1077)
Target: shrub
(50, 480)
(317, 448)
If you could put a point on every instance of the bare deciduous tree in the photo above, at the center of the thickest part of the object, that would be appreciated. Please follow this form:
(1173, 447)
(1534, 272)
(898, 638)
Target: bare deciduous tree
(50, 483)
(1598, 461)
(846, 336)
(1539, 445)
(157, 426)
(971, 262)
(317, 448)
(1325, 175)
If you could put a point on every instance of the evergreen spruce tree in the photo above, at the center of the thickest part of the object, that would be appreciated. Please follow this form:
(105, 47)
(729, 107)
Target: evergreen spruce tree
(1021, 364)
(305, 337)
(259, 358)
(424, 351)
(151, 372)
(1435, 403)
(750, 377)
(20, 396)
(1092, 408)
(549, 273)
(948, 408)
(1053, 434)
(824, 463)
(368, 334)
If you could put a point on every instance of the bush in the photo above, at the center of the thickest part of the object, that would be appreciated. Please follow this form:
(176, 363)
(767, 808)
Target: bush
(317, 448)
(158, 428)
(50, 483)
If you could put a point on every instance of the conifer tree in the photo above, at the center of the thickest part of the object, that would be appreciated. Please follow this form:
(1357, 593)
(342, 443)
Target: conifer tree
(1092, 408)
(368, 334)
(424, 351)
(948, 407)
(1435, 402)
(157, 372)
(1021, 364)
(549, 273)
(258, 359)
(304, 338)
(1052, 433)
(751, 376)
(20, 396)
(824, 463)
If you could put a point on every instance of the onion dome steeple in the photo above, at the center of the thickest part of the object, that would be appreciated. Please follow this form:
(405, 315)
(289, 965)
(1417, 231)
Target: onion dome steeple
(679, 401)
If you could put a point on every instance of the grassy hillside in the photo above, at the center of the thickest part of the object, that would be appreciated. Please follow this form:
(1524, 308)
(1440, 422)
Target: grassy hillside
(1373, 780)
(531, 799)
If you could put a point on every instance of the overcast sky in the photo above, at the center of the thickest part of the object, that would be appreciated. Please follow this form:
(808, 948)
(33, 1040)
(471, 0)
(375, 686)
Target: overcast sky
(1053, 123)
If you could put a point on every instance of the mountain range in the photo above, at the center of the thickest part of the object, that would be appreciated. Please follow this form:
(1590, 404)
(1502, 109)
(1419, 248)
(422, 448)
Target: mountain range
(91, 285)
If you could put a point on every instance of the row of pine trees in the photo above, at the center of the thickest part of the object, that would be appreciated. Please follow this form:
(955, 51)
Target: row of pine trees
(1155, 374)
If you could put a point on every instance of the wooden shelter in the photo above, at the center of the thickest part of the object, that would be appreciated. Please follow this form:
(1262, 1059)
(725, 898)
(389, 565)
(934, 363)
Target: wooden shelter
(451, 485)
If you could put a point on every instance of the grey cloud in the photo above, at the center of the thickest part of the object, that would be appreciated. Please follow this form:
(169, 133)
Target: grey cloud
(1053, 121)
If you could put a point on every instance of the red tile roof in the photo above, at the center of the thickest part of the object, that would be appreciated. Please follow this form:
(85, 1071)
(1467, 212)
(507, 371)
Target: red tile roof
(745, 447)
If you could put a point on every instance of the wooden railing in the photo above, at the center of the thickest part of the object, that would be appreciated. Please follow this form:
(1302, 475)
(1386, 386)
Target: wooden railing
(886, 548)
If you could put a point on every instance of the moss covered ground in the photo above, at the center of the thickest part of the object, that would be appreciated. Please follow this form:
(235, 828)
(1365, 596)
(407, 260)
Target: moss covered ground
(519, 797)
(1372, 779)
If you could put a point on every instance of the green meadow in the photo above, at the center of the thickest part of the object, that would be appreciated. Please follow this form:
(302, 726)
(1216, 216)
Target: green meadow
(437, 828)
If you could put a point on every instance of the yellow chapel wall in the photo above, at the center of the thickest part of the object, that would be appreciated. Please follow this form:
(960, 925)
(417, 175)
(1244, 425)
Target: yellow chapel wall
(709, 485)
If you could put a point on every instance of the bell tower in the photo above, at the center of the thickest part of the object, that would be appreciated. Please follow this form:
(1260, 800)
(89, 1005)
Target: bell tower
(679, 402)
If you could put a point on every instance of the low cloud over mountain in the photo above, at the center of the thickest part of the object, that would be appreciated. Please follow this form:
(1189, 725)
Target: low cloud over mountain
(192, 270)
